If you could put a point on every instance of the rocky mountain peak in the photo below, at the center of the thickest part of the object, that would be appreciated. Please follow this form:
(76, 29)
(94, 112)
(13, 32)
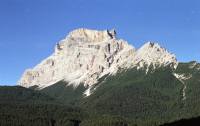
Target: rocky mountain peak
(85, 56)
(92, 35)
(153, 54)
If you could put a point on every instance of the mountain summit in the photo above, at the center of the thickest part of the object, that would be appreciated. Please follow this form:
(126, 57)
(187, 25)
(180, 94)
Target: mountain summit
(85, 56)
(104, 75)
(92, 35)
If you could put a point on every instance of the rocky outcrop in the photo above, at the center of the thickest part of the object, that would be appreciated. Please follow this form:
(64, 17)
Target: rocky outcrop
(155, 55)
(86, 55)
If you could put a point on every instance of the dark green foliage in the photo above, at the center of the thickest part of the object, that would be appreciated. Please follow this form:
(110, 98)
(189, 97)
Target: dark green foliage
(25, 107)
(191, 104)
(21, 94)
(105, 120)
(130, 98)
(37, 114)
(149, 99)
(64, 93)
(134, 94)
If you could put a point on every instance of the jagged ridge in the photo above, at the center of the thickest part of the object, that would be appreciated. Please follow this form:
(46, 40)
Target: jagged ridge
(85, 56)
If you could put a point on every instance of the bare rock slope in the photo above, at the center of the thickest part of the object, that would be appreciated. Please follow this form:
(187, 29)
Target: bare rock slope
(85, 56)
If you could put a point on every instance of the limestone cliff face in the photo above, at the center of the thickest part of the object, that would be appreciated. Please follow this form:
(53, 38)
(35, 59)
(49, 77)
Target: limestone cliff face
(155, 55)
(86, 55)
(82, 57)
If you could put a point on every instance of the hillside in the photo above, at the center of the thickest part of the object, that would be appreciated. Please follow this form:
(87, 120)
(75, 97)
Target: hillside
(94, 78)
(10, 94)
(131, 97)
(153, 98)
(25, 107)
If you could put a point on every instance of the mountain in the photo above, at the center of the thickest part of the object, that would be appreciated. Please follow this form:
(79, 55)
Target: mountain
(146, 99)
(107, 82)
(85, 56)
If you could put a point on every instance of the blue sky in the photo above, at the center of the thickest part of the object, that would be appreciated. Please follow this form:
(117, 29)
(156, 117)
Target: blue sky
(29, 29)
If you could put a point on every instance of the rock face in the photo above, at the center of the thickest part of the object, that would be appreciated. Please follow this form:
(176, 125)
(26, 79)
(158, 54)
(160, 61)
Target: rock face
(86, 55)
(155, 55)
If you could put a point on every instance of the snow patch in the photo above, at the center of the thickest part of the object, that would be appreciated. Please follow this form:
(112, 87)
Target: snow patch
(87, 92)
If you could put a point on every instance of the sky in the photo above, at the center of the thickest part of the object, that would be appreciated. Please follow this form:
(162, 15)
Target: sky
(29, 29)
